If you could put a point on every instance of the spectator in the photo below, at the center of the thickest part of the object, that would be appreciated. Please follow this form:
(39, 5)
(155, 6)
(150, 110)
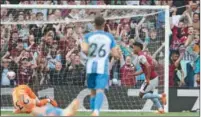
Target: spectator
(53, 57)
(31, 45)
(42, 75)
(58, 75)
(196, 21)
(4, 13)
(127, 73)
(174, 66)
(42, 12)
(13, 40)
(57, 14)
(20, 17)
(197, 72)
(25, 72)
(5, 81)
(76, 72)
(40, 16)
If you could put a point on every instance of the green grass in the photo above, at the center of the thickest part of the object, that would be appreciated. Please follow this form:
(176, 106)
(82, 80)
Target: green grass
(9, 113)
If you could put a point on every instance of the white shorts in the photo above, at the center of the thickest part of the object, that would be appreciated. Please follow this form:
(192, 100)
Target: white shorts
(145, 88)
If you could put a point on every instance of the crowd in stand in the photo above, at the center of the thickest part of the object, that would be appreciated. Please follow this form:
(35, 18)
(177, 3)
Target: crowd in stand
(50, 54)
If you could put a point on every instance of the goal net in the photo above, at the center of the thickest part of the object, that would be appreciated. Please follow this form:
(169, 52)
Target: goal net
(43, 50)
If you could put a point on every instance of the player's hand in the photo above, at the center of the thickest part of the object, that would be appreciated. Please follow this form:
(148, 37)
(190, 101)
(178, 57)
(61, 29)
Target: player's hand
(148, 82)
(182, 82)
(71, 67)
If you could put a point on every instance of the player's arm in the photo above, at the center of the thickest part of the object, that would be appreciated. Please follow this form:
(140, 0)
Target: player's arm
(158, 50)
(115, 50)
(116, 53)
(84, 45)
(182, 77)
(177, 63)
(138, 73)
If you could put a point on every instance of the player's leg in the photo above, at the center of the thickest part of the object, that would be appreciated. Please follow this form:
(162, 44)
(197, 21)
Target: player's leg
(147, 92)
(71, 109)
(101, 83)
(158, 105)
(54, 111)
(47, 111)
(91, 85)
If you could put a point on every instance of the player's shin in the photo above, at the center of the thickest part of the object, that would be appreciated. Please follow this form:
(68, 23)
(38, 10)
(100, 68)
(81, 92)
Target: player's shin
(38, 111)
(158, 105)
(92, 99)
(151, 96)
(98, 101)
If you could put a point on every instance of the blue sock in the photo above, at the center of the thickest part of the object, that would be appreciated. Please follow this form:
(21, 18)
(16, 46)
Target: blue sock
(150, 96)
(92, 101)
(98, 101)
(156, 102)
(54, 110)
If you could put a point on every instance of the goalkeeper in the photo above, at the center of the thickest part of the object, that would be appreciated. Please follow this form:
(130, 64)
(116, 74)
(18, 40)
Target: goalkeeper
(25, 101)
(24, 96)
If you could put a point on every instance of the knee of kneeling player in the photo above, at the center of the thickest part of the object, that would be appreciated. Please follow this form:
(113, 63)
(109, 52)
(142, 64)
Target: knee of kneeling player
(93, 93)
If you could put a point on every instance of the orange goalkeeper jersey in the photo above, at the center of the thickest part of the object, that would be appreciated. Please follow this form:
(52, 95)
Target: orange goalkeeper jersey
(24, 98)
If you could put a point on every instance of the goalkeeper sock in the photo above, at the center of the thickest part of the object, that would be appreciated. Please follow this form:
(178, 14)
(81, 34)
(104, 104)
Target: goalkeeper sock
(53, 111)
(156, 102)
(151, 96)
(98, 101)
(92, 101)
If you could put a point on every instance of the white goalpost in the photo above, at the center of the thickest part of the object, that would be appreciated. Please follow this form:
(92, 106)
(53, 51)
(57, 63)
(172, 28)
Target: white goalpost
(117, 98)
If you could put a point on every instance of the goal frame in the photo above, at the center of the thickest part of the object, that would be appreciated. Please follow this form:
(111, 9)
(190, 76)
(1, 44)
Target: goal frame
(167, 32)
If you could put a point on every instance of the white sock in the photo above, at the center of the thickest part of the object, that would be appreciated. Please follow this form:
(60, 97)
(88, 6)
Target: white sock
(96, 111)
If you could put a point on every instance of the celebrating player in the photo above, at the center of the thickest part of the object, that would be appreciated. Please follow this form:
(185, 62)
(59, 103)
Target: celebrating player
(97, 45)
(24, 99)
(147, 88)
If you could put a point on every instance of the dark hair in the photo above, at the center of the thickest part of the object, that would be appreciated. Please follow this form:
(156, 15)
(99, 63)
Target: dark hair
(175, 52)
(99, 20)
(24, 59)
(196, 14)
(138, 44)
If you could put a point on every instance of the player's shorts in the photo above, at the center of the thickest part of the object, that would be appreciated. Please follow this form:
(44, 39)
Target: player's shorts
(97, 81)
(145, 88)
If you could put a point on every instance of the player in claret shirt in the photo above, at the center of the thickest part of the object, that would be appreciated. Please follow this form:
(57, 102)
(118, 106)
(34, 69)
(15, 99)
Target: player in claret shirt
(151, 82)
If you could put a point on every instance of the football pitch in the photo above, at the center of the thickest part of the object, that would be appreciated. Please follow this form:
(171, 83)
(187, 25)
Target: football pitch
(182, 114)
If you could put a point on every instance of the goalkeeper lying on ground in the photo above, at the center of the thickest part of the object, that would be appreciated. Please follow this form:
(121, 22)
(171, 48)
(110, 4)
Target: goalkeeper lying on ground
(25, 101)
(23, 95)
